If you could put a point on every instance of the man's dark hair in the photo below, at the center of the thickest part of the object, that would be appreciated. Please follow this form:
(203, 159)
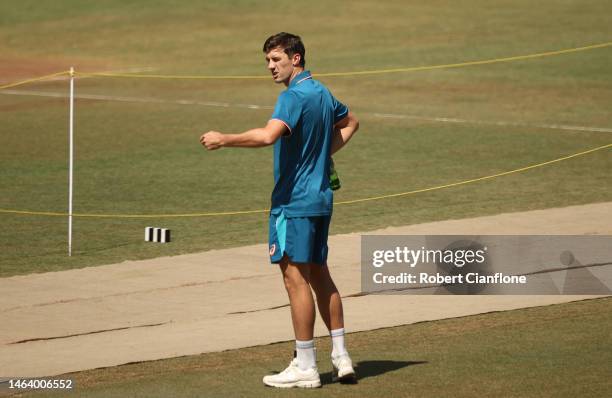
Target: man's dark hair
(291, 44)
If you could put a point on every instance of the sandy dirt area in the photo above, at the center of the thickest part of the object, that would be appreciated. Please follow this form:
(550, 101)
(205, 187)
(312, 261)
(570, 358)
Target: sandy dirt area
(102, 316)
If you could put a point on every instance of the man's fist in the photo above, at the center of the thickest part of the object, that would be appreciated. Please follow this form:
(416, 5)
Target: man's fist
(212, 140)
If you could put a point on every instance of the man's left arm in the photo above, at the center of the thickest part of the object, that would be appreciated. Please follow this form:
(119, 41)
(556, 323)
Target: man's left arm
(343, 131)
(254, 138)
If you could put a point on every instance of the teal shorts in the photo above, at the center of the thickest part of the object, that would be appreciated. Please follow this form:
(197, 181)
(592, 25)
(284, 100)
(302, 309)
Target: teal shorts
(302, 239)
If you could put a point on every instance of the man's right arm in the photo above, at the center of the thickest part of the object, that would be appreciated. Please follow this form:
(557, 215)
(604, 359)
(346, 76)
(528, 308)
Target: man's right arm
(343, 131)
(251, 139)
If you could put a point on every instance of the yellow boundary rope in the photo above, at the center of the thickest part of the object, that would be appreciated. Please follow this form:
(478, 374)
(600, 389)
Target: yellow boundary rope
(337, 203)
(366, 72)
(475, 179)
(356, 73)
(35, 79)
(472, 63)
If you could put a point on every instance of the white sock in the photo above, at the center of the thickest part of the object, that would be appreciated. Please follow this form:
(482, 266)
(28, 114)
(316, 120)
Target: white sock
(337, 336)
(305, 353)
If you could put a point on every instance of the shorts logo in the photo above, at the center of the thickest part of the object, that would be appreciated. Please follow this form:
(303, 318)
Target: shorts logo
(272, 249)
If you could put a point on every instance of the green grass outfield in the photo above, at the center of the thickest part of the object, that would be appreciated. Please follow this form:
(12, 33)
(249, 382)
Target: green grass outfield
(144, 157)
(554, 351)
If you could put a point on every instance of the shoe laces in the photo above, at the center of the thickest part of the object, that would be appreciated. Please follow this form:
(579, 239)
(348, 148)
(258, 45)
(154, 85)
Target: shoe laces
(343, 359)
(292, 365)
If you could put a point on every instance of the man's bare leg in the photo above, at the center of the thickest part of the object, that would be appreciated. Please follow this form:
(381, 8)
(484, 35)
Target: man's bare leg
(328, 297)
(330, 308)
(297, 283)
(302, 371)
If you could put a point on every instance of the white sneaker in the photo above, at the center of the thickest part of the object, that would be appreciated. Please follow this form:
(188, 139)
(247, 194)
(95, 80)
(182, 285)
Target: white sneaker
(293, 376)
(343, 369)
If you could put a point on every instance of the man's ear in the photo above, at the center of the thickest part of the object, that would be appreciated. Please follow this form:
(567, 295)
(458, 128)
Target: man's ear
(296, 59)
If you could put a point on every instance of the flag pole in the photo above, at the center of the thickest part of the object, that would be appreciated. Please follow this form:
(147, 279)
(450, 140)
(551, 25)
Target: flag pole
(71, 161)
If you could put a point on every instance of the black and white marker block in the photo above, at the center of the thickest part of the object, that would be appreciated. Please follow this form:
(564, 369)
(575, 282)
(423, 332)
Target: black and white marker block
(161, 235)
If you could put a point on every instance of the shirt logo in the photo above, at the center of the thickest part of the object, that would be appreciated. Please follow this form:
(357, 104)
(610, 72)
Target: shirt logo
(272, 249)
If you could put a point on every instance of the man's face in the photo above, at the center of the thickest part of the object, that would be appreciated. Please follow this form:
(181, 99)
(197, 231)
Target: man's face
(280, 65)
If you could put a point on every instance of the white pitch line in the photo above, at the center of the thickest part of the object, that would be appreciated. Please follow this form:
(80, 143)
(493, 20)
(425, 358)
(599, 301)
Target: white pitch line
(97, 97)
(495, 123)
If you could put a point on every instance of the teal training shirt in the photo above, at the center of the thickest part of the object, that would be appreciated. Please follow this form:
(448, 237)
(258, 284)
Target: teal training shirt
(301, 158)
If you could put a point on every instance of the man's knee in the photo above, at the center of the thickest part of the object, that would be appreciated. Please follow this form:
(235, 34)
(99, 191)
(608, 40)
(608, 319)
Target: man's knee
(295, 276)
(321, 279)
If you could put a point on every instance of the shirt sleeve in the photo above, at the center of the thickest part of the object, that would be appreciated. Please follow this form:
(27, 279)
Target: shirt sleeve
(287, 110)
(340, 110)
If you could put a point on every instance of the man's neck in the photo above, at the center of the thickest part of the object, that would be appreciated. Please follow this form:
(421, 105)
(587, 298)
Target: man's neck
(296, 71)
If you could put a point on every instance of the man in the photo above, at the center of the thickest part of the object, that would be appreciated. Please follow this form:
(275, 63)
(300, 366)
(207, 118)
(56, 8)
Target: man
(308, 125)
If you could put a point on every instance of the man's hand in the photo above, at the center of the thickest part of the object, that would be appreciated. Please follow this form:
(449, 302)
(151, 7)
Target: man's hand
(212, 140)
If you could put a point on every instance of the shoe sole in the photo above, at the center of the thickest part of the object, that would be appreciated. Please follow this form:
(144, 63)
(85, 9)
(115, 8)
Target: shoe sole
(345, 378)
(298, 384)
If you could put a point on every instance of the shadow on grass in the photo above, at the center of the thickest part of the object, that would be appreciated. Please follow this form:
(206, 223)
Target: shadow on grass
(365, 369)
